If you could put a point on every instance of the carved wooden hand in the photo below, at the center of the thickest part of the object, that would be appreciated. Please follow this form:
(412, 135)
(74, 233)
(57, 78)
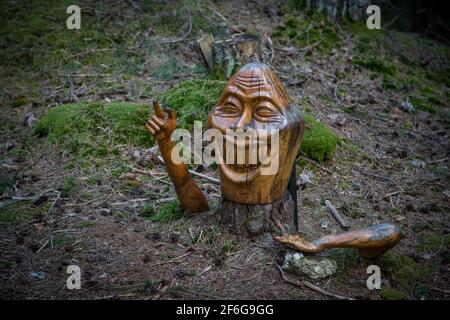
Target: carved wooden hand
(371, 241)
(161, 125)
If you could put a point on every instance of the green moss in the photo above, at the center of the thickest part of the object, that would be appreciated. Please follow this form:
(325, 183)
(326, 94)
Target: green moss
(62, 239)
(346, 259)
(229, 246)
(307, 31)
(422, 104)
(193, 100)
(85, 224)
(69, 185)
(389, 293)
(168, 212)
(147, 211)
(168, 69)
(319, 141)
(19, 212)
(93, 129)
(375, 65)
(5, 184)
(431, 242)
(5, 264)
(402, 269)
(19, 102)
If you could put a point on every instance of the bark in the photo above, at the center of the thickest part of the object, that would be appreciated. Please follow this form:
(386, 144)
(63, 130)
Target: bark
(224, 56)
(253, 221)
(354, 10)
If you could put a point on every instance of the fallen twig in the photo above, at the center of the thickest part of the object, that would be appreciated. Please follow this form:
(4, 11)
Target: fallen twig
(437, 161)
(124, 295)
(318, 165)
(440, 290)
(310, 286)
(382, 177)
(54, 202)
(171, 260)
(335, 213)
(43, 246)
(195, 173)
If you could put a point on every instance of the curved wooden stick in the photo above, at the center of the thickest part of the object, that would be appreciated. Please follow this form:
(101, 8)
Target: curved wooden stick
(161, 125)
(371, 241)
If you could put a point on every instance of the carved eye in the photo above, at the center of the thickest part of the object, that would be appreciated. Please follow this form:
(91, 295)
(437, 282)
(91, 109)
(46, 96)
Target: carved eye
(266, 113)
(229, 109)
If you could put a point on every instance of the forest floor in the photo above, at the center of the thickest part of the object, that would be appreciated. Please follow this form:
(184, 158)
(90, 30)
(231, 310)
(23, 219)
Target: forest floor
(123, 229)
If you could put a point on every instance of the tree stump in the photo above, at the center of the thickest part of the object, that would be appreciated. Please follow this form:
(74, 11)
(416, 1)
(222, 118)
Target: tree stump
(255, 220)
(222, 57)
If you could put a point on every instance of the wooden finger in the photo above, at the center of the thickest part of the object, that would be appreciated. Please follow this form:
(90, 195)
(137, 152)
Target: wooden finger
(157, 120)
(150, 129)
(157, 109)
(154, 126)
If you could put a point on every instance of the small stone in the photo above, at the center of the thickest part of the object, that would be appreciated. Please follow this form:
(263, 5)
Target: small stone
(37, 275)
(136, 154)
(7, 146)
(29, 120)
(325, 224)
(156, 236)
(304, 179)
(417, 163)
(315, 268)
(407, 106)
(68, 262)
(104, 211)
(139, 228)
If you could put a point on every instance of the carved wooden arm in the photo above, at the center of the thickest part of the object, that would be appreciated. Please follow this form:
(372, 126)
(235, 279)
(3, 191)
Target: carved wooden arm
(371, 241)
(161, 125)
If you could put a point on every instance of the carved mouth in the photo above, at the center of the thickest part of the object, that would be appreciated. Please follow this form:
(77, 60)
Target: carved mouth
(242, 173)
(240, 177)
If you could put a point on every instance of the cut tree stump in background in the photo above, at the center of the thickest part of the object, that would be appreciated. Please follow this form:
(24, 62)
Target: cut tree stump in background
(255, 220)
(223, 56)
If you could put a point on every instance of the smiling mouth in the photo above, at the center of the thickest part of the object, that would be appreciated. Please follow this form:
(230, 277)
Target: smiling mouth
(244, 176)
(243, 173)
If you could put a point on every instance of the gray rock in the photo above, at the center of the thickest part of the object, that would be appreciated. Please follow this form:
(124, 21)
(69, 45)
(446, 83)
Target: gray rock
(37, 275)
(313, 267)
(407, 106)
(417, 163)
(325, 224)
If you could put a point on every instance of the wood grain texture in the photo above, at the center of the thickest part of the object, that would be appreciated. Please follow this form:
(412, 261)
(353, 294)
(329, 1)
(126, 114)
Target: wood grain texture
(371, 241)
(254, 99)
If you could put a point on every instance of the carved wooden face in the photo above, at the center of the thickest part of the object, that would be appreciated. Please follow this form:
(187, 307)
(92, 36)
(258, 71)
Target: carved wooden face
(254, 99)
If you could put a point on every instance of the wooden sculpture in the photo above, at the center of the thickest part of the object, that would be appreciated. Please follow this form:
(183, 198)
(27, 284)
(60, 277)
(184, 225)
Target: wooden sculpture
(371, 242)
(255, 203)
(161, 125)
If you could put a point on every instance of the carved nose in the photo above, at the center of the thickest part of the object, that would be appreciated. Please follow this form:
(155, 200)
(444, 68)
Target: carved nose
(244, 121)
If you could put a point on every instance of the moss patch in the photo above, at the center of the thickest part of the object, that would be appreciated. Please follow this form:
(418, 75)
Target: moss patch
(319, 141)
(93, 129)
(431, 242)
(315, 30)
(403, 270)
(193, 100)
(20, 212)
(168, 212)
(401, 69)
(389, 293)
